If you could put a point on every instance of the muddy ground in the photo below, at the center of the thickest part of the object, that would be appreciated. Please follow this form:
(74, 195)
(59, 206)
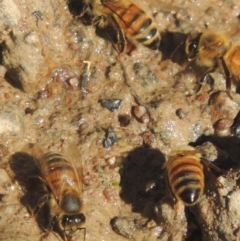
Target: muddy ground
(63, 83)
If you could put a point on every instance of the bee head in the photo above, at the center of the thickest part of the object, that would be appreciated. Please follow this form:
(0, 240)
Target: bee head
(73, 222)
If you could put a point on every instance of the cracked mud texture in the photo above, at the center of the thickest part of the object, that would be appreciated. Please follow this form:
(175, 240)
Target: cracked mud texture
(55, 73)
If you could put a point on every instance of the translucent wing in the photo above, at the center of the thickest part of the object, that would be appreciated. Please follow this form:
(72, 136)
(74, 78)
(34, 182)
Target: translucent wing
(74, 157)
(35, 151)
(164, 6)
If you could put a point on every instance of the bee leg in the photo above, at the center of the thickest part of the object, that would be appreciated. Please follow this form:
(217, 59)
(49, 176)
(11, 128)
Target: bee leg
(228, 78)
(84, 230)
(68, 236)
(55, 229)
(46, 234)
(211, 82)
(214, 178)
(85, 15)
(85, 10)
(42, 201)
(205, 78)
(198, 87)
(36, 182)
(176, 208)
(39, 205)
(101, 23)
(169, 193)
(208, 165)
(42, 181)
(98, 20)
(121, 40)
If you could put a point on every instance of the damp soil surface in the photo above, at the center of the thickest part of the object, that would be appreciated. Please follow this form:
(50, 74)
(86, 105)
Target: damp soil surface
(63, 83)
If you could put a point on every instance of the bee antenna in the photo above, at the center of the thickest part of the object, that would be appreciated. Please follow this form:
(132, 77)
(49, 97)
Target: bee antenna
(177, 48)
(84, 230)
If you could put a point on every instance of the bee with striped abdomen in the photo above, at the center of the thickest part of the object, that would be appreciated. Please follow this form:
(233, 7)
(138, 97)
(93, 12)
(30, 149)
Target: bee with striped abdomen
(62, 179)
(211, 50)
(127, 19)
(185, 175)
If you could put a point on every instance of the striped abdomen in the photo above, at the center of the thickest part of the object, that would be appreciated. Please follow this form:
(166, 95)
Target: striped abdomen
(59, 174)
(186, 178)
(135, 23)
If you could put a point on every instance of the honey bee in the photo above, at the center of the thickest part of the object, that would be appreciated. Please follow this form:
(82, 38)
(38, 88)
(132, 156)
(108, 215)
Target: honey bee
(63, 181)
(185, 175)
(211, 50)
(127, 19)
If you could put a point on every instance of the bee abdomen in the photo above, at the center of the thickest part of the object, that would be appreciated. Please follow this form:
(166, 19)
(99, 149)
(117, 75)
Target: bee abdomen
(151, 39)
(131, 17)
(190, 195)
(188, 188)
(139, 26)
(53, 157)
(57, 165)
(186, 180)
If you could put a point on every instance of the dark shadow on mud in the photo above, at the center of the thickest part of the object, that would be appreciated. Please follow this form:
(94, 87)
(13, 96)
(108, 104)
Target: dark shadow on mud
(228, 153)
(193, 230)
(76, 7)
(142, 178)
(13, 78)
(172, 47)
(12, 75)
(27, 173)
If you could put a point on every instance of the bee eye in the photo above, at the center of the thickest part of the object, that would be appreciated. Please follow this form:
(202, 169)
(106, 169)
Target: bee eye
(79, 218)
(192, 50)
(193, 46)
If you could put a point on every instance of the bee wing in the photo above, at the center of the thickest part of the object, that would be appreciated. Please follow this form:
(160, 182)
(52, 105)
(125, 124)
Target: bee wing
(210, 165)
(165, 164)
(234, 34)
(164, 6)
(35, 151)
(74, 157)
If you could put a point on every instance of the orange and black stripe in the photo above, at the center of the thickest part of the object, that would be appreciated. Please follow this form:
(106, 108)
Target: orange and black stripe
(186, 179)
(136, 24)
(56, 167)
